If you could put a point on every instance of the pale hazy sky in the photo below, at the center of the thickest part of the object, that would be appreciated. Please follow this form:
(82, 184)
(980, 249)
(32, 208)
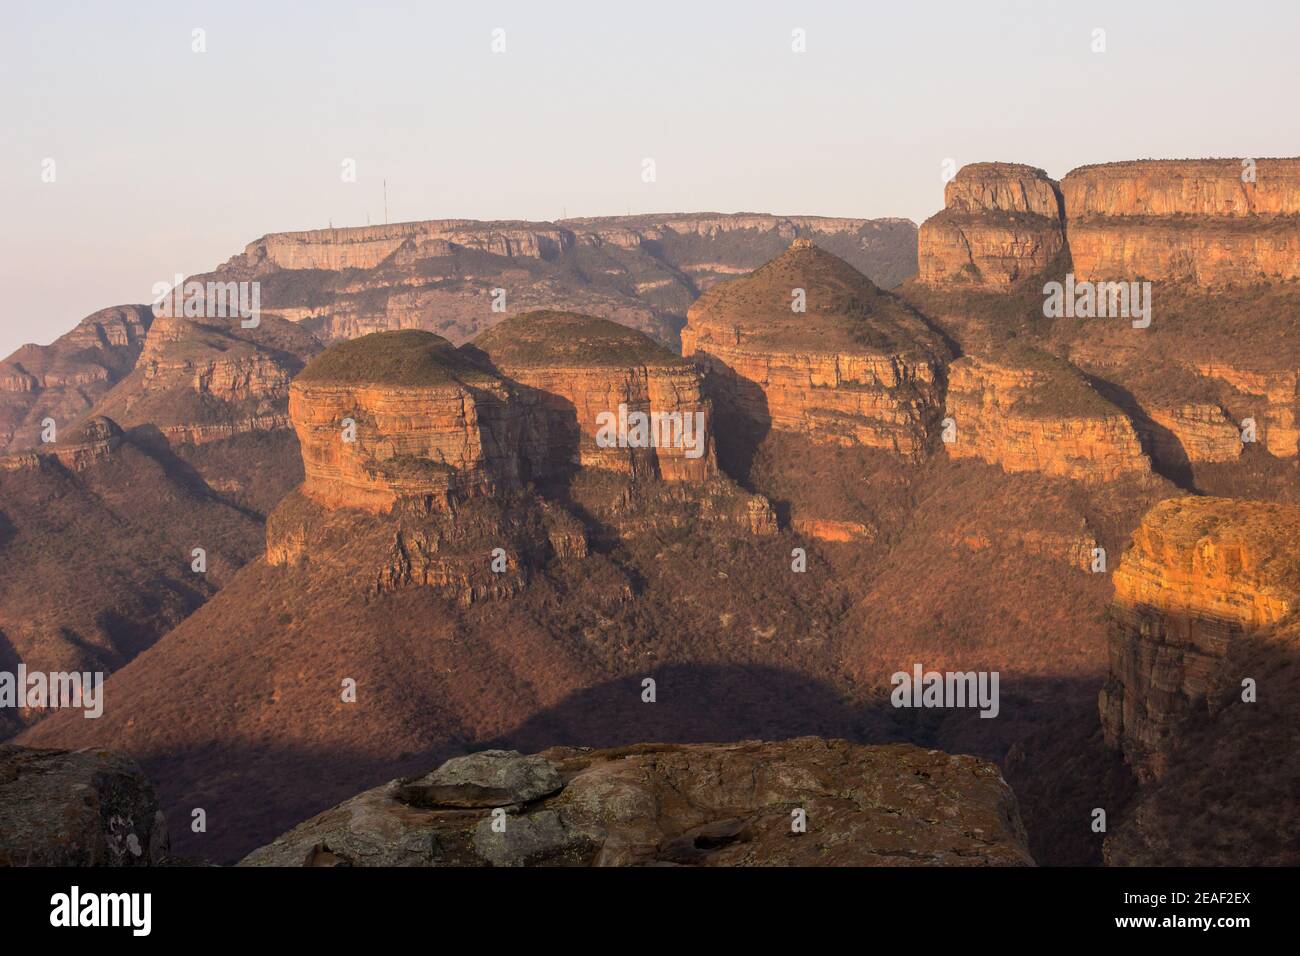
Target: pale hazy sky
(169, 161)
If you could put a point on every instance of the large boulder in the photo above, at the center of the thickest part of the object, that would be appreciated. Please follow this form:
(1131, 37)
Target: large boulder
(77, 808)
(799, 802)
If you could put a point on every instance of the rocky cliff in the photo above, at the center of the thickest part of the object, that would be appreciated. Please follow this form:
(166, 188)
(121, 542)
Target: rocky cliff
(578, 373)
(399, 415)
(802, 802)
(1001, 222)
(1200, 573)
(202, 380)
(459, 277)
(1208, 222)
(1201, 697)
(1219, 188)
(1270, 395)
(64, 379)
(1028, 411)
(1204, 252)
(856, 367)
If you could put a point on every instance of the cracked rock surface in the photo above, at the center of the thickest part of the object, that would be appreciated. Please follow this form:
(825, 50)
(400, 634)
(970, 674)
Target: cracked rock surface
(676, 804)
(77, 808)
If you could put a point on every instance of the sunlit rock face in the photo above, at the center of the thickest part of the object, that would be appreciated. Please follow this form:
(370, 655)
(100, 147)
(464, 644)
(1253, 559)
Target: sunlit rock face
(402, 415)
(1001, 222)
(1209, 222)
(1031, 412)
(1200, 574)
(855, 367)
(580, 374)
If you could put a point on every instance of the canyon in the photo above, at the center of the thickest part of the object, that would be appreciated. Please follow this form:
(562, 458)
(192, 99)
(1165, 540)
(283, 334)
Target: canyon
(443, 275)
(422, 551)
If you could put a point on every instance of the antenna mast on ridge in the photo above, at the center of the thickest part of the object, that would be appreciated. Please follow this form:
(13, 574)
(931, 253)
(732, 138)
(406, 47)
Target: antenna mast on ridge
(385, 200)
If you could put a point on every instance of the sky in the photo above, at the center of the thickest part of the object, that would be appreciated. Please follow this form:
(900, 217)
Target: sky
(167, 160)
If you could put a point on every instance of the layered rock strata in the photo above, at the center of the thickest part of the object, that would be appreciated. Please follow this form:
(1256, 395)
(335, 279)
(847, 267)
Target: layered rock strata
(1200, 574)
(1028, 411)
(800, 802)
(460, 277)
(855, 367)
(1001, 222)
(1209, 222)
(202, 380)
(1276, 395)
(61, 381)
(403, 415)
(579, 374)
(1200, 431)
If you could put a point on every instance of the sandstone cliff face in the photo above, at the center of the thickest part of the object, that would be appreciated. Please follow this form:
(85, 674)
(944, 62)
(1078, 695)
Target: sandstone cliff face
(1206, 252)
(1183, 187)
(403, 426)
(1200, 574)
(1199, 430)
(64, 379)
(441, 443)
(1029, 412)
(857, 368)
(1001, 222)
(442, 275)
(682, 805)
(77, 808)
(203, 380)
(1191, 220)
(428, 424)
(365, 247)
(1276, 395)
(575, 369)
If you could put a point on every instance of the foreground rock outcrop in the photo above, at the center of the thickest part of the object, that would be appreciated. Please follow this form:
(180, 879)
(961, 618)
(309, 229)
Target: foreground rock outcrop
(1028, 411)
(856, 368)
(675, 805)
(1000, 223)
(1201, 573)
(77, 808)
